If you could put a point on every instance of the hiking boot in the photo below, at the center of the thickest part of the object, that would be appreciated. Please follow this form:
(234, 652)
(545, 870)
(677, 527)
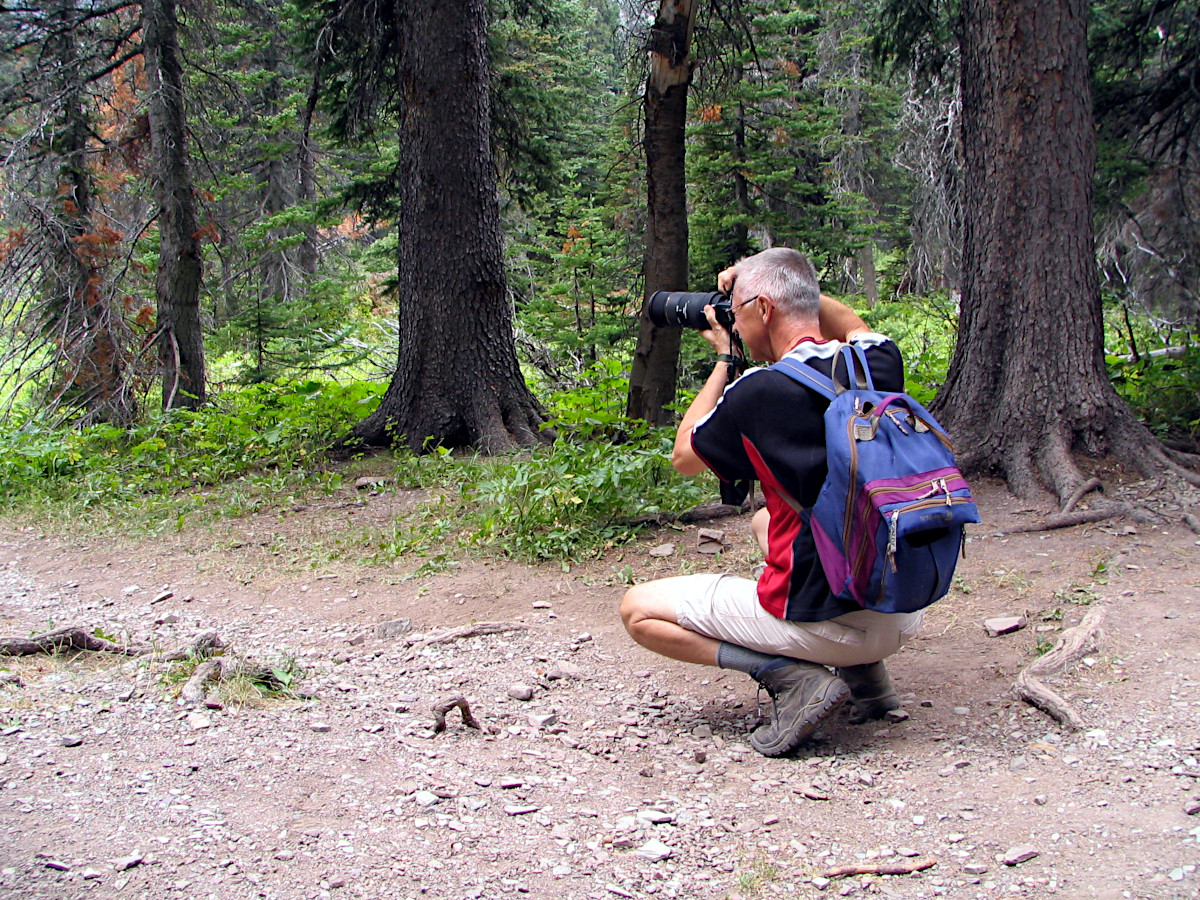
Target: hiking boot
(803, 695)
(871, 689)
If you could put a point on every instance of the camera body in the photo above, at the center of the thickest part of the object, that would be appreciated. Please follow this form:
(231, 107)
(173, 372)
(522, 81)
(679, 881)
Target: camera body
(685, 309)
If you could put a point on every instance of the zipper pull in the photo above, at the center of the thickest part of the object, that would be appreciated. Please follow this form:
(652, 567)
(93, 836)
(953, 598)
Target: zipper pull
(891, 545)
(891, 414)
(946, 489)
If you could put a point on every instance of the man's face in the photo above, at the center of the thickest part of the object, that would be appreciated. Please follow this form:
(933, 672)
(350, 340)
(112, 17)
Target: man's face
(748, 321)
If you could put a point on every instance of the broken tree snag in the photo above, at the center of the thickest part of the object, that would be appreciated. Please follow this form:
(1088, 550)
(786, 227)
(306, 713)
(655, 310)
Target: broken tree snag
(71, 638)
(464, 631)
(903, 868)
(204, 644)
(193, 689)
(1073, 645)
(440, 710)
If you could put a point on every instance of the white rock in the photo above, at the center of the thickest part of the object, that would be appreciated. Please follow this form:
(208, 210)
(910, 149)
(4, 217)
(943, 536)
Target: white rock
(1017, 855)
(655, 851)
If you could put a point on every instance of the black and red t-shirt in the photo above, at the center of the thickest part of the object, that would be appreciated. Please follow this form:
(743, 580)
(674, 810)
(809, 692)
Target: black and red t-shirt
(769, 427)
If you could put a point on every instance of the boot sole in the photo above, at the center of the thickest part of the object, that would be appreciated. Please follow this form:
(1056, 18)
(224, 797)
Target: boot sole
(836, 694)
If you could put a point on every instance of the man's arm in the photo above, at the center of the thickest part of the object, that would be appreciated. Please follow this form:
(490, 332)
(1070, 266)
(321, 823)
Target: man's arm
(683, 457)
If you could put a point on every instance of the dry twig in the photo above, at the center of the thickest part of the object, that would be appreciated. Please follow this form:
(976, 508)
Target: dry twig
(464, 631)
(891, 868)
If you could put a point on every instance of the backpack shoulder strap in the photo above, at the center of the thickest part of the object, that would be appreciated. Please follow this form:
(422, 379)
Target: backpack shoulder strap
(808, 376)
(858, 370)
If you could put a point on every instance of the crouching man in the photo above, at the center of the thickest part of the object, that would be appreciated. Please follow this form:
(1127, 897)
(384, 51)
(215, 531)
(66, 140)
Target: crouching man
(787, 631)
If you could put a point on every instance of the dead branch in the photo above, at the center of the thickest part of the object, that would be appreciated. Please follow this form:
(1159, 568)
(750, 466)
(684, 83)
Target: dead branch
(901, 868)
(464, 631)
(70, 638)
(1073, 645)
(440, 710)
(203, 644)
(1092, 484)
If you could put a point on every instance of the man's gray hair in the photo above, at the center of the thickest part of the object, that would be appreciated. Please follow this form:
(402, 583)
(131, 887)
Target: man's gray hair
(784, 275)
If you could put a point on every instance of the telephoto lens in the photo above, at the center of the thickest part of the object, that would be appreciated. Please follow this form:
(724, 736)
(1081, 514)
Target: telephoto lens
(685, 309)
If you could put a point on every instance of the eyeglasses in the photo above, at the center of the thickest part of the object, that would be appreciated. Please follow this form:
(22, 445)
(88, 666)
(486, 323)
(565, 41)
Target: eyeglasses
(738, 306)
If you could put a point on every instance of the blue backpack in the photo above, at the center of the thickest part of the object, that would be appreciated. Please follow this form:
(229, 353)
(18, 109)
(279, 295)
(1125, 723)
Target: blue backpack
(888, 521)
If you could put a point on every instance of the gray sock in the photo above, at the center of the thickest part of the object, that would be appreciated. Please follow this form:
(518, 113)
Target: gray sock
(742, 659)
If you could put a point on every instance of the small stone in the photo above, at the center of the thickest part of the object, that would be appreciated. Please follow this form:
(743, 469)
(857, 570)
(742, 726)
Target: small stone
(1017, 855)
(514, 810)
(655, 816)
(1041, 800)
(198, 721)
(71, 740)
(655, 851)
(161, 596)
(370, 481)
(962, 711)
(619, 891)
(700, 756)
(975, 869)
(1192, 809)
(337, 882)
(320, 727)
(820, 883)
(395, 628)
(541, 604)
(896, 715)
(1176, 874)
(1171, 614)
(662, 550)
(519, 691)
(770, 820)
(90, 874)
(509, 783)
(127, 862)
(564, 669)
(710, 541)
(285, 855)
(1004, 625)
(212, 700)
(425, 798)
(907, 852)
(57, 865)
(543, 720)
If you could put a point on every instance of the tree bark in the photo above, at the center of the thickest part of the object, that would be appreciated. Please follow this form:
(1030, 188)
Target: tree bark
(179, 337)
(457, 382)
(665, 266)
(1027, 386)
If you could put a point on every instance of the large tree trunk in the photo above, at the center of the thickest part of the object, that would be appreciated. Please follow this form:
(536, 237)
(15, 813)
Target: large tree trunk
(1027, 386)
(180, 341)
(457, 382)
(665, 268)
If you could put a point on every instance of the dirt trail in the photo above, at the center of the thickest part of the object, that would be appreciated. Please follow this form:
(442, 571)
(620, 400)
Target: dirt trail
(625, 775)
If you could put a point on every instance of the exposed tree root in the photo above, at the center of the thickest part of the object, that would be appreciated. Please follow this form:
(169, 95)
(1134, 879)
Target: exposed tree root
(464, 631)
(903, 868)
(1092, 484)
(70, 638)
(440, 710)
(1191, 522)
(1098, 513)
(1074, 644)
(705, 512)
(1182, 464)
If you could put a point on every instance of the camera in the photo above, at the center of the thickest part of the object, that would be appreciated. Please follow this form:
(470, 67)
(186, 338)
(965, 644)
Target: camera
(685, 309)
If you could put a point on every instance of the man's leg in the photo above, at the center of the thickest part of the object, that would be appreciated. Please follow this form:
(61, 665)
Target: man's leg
(803, 694)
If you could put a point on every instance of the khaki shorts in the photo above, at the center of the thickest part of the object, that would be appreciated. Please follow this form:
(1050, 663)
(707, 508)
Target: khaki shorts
(726, 607)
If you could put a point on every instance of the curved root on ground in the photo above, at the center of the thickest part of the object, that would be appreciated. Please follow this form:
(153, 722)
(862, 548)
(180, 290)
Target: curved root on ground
(1073, 645)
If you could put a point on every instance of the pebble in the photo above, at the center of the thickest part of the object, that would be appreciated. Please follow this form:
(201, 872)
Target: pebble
(57, 865)
(564, 669)
(896, 715)
(662, 550)
(975, 869)
(1004, 625)
(89, 874)
(425, 798)
(198, 721)
(962, 710)
(320, 727)
(1017, 855)
(71, 740)
(541, 604)
(543, 720)
(519, 691)
(513, 810)
(820, 883)
(1192, 809)
(655, 851)
(127, 862)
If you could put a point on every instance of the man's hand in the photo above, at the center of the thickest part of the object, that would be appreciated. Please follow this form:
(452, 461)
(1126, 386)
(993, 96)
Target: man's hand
(716, 334)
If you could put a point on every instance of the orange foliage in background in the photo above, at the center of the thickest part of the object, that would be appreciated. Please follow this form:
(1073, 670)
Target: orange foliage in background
(711, 113)
(11, 241)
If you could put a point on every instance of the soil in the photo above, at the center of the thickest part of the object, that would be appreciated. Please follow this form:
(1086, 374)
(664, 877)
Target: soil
(624, 775)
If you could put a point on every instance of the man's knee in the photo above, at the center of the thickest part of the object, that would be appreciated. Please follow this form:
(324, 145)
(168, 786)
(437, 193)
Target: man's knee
(642, 602)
